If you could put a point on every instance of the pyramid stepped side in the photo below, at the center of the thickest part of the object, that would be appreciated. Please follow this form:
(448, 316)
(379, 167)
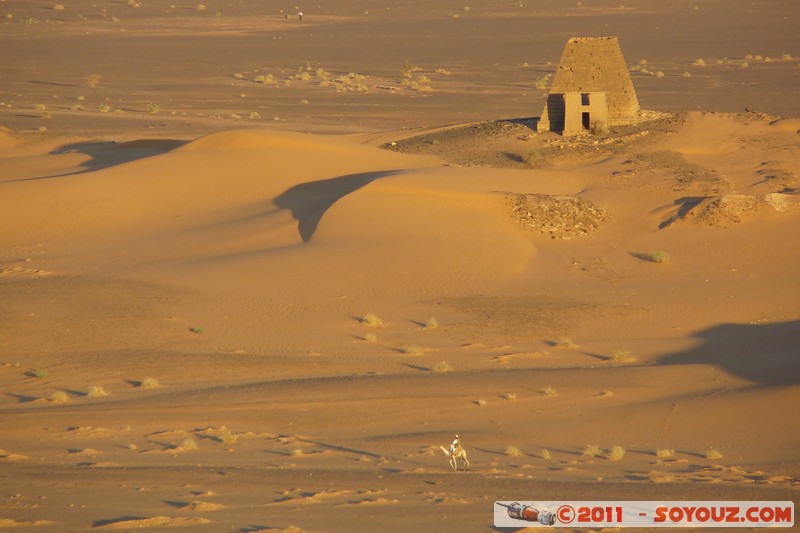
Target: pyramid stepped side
(596, 65)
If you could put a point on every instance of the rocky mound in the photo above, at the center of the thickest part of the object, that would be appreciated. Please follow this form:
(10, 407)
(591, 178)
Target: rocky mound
(728, 209)
(561, 217)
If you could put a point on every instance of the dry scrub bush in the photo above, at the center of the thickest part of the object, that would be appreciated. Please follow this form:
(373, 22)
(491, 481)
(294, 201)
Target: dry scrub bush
(416, 351)
(58, 396)
(93, 80)
(96, 391)
(591, 450)
(545, 454)
(266, 79)
(713, 455)
(564, 343)
(664, 453)
(442, 366)
(550, 392)
(658, 257)
(371, 320)
(228, 437)
(481, 402)
(513, 451)
(149, 383)
(622, 356)
(188, 444)
(370, 337)
(615, 453)
(541, 82)
(432, 323)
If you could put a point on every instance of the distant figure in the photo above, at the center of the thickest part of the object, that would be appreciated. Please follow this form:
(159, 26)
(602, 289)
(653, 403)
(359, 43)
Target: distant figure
(456, 452)
(300, 15)
(455, 445)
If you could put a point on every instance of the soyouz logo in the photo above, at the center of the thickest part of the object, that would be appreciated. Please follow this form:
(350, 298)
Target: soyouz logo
(725, 514)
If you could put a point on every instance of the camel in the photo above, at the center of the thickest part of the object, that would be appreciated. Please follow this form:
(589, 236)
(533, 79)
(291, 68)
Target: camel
(455, 454)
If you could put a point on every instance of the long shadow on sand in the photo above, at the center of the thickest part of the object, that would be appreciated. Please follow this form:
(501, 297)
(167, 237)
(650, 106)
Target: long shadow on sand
(766, 354)
(109, 154)
(308, 202)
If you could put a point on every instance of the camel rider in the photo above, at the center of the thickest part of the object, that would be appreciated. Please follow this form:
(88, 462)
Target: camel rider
(455, 446)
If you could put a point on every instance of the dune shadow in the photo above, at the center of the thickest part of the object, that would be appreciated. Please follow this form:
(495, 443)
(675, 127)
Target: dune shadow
(529, 122)
(308, 202)
(338, 448)
(108, 154)
(511, 156)
(766, 354)
(492, 452)
(417, 367)
(22, 398)
(111, 521)
(176, 504)
(53, 83)
(597, 356)
(684, 205)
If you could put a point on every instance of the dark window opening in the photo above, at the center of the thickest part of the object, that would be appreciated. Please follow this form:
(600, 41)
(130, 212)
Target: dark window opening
(584, 98)
(586, 121)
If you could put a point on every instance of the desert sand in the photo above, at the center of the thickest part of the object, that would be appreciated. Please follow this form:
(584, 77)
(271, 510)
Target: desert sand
(254, 270)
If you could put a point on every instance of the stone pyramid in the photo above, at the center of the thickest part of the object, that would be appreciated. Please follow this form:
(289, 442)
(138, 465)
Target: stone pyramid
(596, 64)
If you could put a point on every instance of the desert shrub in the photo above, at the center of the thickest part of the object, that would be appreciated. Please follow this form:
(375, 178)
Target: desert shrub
(658, 257)
(713, 455)
(564, 343)
(622, 356)
(513, 451)
(228, 437)
(149, 383)
(59, 396)
(371, 320)
(188, 444)
(96, 391)
(591, 450)
(615, 453)
(541, 82)
(442, 366)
